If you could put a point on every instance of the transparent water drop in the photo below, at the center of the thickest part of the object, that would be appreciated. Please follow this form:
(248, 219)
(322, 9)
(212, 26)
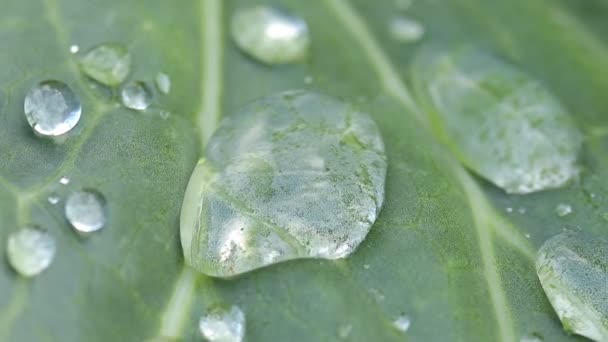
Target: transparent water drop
(64, 180)
(53, 199)
(366, 266)
(136, 95)
(405, 29)
(30, 251)
(85, 210)
(344, 331)
(51, 108)
(272, 157)
(509, 210)
(164, 114)
(108, 64)
(563, 209)
(402, 323)
(270, 35)
(527, 235)
(308, 80)
(220, 325)
(74, 48)
(163, 82)
(533, 337)
(572, 270)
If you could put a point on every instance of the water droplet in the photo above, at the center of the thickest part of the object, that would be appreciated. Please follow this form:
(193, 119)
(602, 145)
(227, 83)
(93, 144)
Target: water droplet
(270, 35)
(85, 210)
(309, 169)
(308, 80)
(64, 180)
(521, 210)
(366, 266)
(527, 236)
(164, 114)
(51, 108)
(500, 122)
(53, 199)
(30, 251)
(405, 30)
(563, 209)
(402, 323)
(136, 95)
(509, 210)
(74, 48)
(533, 337)
(572, 271)
(220, 325)
(345, 331)
(107, 63)
(163, 83)
(403, 5)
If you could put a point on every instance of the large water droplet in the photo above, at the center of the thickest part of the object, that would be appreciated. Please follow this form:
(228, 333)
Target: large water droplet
(220, 325)
(563, 209)
(163, 83)
(500, 122)
(295, 175)
(573, 270)
(30, 251)
(270, 35)
(405, 30)
(108, 64)
(85, 210)
(402, 323)
(51, 108)
(136, 95)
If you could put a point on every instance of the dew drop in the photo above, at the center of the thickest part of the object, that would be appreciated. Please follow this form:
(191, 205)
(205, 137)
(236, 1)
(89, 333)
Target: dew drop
(164, 114)
(345, 331)
(572, 270)
(509, 210)
(308, 80)
(53, 199)
(74, 48)
(108, 64)
(136, 95)
(221, 325)
(64, 180)
(163, 83)
(51, 108)
(366, 266)
(527, 235)
(563, 209)
(402, 323)
(533, 337)
(405, 30)
(30, 251)
(85, 210)
(270, 35)
(522, 211)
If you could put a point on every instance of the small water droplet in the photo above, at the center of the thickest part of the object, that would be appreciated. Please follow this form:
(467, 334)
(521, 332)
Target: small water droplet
(108, 63)
(345, 331)
(402, 323)
(270, 35)
(136, 95)
(64, 180)
(527, 236)
(164, 114)
(85, 210)
(223, 325)
(509, 209)
(51, 108)
(403, 5)
(308, 80)
(53, 199)
(563, 209)
(533, 337)
(405, 30)
(74, 48)
(163, 82)
(521, 211)
(366, 266)
(30, 251)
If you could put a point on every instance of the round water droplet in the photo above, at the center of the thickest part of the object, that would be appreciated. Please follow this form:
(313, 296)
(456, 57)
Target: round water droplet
(85, 210)
(402, 323)
(74, 48)
(163, 83)
(345, 331)
(108, 64)
(527, 236)
(405, 30)
(308, 80)
(30, 251)
(51, 108)
(563, 209)
(53, 199)
(270, 35)
(509, 210)
(220, 325)
(136, 95)
(64, 180)
(366, 266)
(533, 337)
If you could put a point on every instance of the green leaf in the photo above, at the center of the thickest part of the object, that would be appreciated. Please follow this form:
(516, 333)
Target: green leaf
(445, 250)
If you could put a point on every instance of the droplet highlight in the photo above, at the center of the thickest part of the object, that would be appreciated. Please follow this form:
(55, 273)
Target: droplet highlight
(533, 337)
(108, 64)
(221, 325)
(270, 35)
(163, 83)
(563, 209)
(344, 331)
(30, 251)
(74, 49)
(53, 199)
(136, 95)
(85, 210)
(405, 30)
(64, 180)
(51, 108)
(402, 323)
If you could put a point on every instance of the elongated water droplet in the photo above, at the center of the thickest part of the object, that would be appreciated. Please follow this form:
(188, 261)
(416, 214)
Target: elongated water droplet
(573, 270)
(270, 35)
(295, 175)
(220, 325)
(136, 95)
(51, 108)
(500, 122)
(30, 251)
(563, 209)
(64, 180)
(85, 210)
(533, 337)
(163, 83)
(402, 323)
(405, 30)
(108, 64)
